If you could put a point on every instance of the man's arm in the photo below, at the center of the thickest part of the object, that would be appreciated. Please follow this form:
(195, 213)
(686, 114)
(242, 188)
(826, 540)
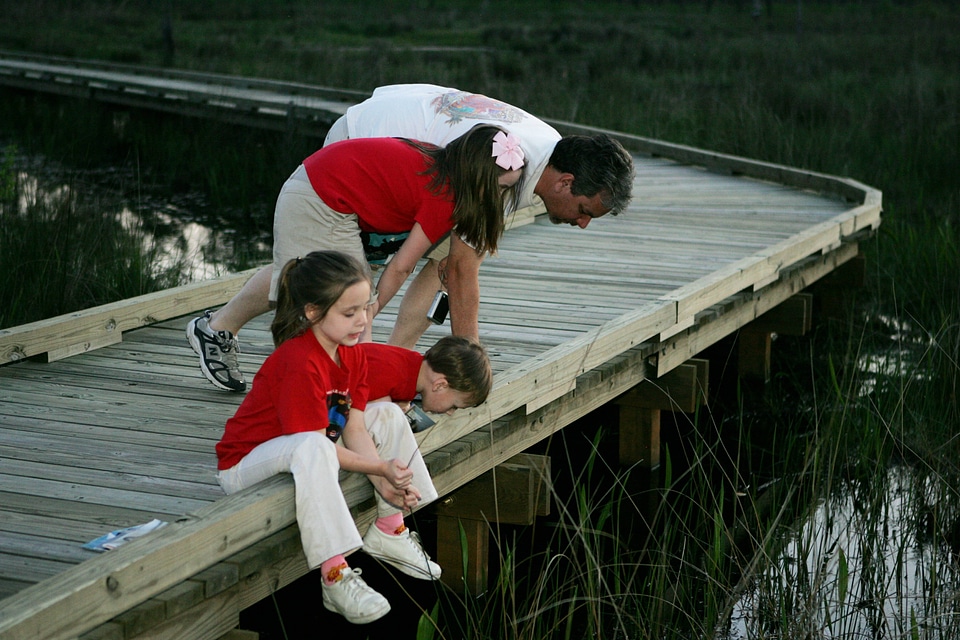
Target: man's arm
(462, 270)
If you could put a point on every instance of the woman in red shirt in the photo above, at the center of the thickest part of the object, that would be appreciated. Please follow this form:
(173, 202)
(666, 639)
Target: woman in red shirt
(382, 185)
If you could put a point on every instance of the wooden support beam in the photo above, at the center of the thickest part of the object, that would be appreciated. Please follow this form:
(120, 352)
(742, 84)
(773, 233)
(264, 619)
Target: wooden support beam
(753, 353)
(683, 389)
(514, 492)
(793, 317)
(463, 549)
(833, 291)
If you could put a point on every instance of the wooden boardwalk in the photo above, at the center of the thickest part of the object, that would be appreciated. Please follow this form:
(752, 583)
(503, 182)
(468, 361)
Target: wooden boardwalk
(118, 427)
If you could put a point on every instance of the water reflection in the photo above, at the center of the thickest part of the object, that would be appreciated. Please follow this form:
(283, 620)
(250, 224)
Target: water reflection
(870, 562)
(906, 347)
(183, 230)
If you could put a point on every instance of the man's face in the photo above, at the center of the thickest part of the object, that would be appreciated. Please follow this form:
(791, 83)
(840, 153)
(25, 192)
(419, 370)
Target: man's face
(565, 208)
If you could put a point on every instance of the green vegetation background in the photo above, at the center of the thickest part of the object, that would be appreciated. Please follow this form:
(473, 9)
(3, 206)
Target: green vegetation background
(868, 89)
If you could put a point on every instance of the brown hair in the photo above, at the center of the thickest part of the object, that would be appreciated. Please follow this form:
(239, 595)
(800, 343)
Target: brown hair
(319, 279)
(600, 165)
(465, 364)
(466, 168)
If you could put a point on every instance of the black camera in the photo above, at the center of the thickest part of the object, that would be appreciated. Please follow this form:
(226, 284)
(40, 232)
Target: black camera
(439, 308)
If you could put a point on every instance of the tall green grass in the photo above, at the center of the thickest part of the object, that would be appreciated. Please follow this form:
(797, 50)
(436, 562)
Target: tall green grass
(62, 252)
(802, 511)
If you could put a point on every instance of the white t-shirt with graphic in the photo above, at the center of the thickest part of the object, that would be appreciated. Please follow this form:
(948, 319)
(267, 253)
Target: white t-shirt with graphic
(434, 114)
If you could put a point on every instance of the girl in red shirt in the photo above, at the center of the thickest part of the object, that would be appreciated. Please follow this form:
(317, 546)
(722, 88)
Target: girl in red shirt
(305, 416)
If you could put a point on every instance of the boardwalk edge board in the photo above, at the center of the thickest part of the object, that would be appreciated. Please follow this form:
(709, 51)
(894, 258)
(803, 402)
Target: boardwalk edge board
(98, 326)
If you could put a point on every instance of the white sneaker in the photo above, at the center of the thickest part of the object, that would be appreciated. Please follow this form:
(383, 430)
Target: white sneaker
(353, 599)
(402, 551)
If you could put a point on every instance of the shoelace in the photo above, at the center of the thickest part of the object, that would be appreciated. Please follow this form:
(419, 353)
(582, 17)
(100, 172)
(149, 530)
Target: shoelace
(355, 587)
(227, 344)
(414, 541)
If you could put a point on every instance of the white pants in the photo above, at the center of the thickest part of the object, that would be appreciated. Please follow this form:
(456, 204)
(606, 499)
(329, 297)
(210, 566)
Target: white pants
(326, 526)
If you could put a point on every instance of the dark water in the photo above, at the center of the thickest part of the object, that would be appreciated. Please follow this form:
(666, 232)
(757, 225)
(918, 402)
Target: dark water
(187, 229)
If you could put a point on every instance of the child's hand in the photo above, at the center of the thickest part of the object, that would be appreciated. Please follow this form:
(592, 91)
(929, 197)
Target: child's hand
(400, 498)
(397, 474)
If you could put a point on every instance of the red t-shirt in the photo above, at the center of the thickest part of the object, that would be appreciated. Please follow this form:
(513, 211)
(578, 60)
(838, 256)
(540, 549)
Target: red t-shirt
(391, 371)
(382, 181)
(298, 388)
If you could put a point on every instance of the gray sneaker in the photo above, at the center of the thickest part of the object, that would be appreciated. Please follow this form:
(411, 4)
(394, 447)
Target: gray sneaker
(353, 599)
(218, 354)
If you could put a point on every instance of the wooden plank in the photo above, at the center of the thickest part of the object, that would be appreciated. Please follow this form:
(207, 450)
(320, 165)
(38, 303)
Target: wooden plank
(100, 324)
(550, 373)
(746, 308)
(511, 493)
(800, 178)
(80, 599)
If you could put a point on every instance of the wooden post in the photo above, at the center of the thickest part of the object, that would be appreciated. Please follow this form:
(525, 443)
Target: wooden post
(682, 389)
(514, 492)
(833, 291)
(792, 317)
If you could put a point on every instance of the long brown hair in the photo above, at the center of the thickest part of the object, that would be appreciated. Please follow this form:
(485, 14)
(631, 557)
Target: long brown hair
(319, 279)
(466, 168)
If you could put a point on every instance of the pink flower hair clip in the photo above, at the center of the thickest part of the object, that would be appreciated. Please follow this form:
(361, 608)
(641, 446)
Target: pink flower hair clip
(507, 151)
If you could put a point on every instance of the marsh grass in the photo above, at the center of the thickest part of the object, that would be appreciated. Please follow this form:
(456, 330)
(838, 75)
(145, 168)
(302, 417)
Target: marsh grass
(64, 253)
(843, 532)
(823, 505)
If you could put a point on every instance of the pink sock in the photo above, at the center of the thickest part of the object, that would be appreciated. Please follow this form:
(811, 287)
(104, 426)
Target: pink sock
(330, 569)
(391, 525)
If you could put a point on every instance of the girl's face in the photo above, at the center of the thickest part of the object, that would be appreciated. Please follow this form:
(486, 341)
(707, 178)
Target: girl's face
(509, 178)
(344, 322)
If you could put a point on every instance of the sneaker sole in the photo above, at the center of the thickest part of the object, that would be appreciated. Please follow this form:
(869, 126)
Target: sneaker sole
(364, 619)
(403, 567)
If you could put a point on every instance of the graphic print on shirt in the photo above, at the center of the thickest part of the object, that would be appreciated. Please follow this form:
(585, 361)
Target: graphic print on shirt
(460, 105)
(338, 408)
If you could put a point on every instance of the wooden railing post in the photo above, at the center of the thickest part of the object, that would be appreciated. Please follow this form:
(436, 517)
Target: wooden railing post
(514, 492)
(683, 389)
(792, 317)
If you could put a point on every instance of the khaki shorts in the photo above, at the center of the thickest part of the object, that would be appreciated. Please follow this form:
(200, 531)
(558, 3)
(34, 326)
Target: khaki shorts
(302, 223)
(440, 250)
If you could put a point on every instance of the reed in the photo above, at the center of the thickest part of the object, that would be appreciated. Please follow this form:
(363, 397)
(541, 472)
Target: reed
(825, 505)
(61, 252)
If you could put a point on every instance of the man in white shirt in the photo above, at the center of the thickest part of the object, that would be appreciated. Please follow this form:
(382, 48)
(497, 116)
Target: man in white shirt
(574, 179)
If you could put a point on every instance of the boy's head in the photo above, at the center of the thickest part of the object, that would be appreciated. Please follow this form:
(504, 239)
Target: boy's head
(458, 375)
